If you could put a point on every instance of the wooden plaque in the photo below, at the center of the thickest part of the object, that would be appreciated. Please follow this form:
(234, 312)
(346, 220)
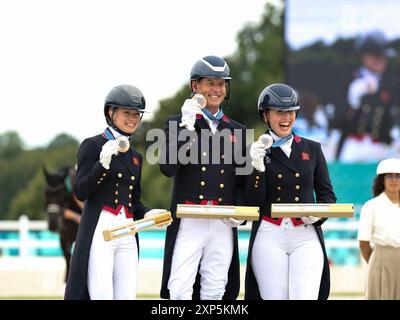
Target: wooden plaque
(137, 226)
(322, 210)
(217, 212)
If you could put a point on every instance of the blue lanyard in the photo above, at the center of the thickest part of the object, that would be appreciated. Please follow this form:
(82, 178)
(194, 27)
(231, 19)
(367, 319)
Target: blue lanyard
(108, 134)
(282, 141)
(210, 116)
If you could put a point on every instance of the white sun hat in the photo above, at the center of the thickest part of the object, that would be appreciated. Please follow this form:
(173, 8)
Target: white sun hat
(391, 165)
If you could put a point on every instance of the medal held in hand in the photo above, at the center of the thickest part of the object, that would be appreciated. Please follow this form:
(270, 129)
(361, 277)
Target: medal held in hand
(201, 100)
(123, 144)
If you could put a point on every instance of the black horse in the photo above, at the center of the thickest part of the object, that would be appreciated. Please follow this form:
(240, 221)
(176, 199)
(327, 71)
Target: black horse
(63, 208)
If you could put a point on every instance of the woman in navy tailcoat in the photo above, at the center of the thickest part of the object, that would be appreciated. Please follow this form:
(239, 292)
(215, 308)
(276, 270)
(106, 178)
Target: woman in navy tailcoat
(287, 257)
(108, 181)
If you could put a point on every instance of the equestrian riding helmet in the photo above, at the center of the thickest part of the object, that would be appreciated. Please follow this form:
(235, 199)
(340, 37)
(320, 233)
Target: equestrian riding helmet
(277, 96)
(210, 67)
(373, 43)
(124, 96)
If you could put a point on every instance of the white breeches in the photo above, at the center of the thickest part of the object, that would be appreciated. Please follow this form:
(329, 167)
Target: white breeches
(208, 242)
(287, 261)
(113, 265)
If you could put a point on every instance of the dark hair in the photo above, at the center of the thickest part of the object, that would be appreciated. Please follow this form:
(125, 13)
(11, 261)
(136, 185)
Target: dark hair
(379, 185)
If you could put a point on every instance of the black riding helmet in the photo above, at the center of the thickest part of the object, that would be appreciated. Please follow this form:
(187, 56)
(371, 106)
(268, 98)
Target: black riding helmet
(210, 67)
(277, 96)
(124, 96)
(373, 42)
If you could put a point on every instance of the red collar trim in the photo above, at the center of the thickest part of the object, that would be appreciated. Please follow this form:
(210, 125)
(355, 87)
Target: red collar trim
(116, 210)
(296, 138)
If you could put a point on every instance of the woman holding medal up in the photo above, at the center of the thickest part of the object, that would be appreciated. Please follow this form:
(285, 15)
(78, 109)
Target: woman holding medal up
(108, 180)
(201, 257)
(287, 257)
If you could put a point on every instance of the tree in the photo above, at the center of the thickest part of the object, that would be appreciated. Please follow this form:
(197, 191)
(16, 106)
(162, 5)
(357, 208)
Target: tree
(29, 200)
(22, 182)
(10, 145)
(257, 63)
(62, 140)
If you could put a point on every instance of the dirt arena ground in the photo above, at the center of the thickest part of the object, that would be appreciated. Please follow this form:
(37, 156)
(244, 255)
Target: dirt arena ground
(43, 278)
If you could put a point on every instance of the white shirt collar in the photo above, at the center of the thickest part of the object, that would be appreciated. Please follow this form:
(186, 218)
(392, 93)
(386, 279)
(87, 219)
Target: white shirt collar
(364, 71)
(115, 133)
(207, 118)
(277, 138)
(213, 124)
(385, 199)
(286, 146)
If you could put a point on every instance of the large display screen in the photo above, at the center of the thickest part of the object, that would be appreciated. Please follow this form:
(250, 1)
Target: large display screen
(343, 58)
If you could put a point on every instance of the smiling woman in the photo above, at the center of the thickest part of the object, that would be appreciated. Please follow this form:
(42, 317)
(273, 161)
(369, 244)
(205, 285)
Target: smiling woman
(125, 119)
(287, 259)
(108, 180)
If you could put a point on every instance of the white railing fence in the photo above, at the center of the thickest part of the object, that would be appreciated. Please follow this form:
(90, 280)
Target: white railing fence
(24, 243)
(23, 225)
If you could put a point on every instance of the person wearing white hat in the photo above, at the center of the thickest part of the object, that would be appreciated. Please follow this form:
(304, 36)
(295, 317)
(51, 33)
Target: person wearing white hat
(379, 233)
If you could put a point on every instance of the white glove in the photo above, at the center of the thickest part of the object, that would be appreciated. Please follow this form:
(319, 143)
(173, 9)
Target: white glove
(109, 149)
(258, 151)
(156, 212)
(232, 222)
(310, 219)
(189, 110)
(359, 88)
(372, 84)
